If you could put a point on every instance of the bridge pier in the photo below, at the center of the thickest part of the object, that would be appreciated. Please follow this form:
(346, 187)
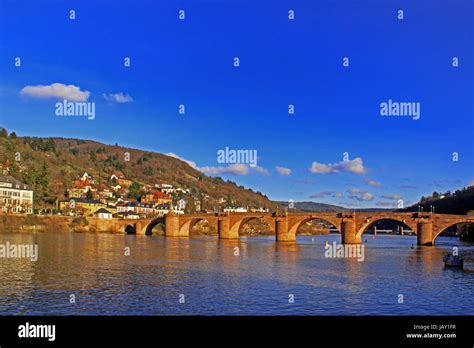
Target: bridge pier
(172, 227)
(224, 229)
(139, 228)
(349, 233)
(282, 232)
(424, 233)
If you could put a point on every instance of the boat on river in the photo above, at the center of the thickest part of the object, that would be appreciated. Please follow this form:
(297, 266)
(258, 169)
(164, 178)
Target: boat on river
(453, 261)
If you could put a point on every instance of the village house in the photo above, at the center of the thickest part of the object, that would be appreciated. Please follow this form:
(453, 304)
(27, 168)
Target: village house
(258, 209)
(235, 210)
(81, 186)
(156, 197)
(164, 209)
(136, 207)
(86, 206)
(181, 204)
(166, 188)
(15, 197)
(128, 215)
(103, 213)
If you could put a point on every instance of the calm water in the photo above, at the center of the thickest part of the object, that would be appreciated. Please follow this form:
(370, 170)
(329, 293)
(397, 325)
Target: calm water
(215, 281)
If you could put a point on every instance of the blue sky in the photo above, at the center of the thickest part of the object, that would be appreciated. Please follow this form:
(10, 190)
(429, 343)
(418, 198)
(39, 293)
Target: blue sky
(282, 62)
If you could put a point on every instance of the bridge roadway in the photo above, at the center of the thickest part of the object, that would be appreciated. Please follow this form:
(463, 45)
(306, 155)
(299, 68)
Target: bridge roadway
(352, 225)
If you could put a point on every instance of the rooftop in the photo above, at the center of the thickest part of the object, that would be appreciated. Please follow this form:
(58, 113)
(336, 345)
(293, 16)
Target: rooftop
(12, 182)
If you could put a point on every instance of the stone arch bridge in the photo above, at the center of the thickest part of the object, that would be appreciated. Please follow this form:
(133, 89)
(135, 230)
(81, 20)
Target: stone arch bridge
(352, 225)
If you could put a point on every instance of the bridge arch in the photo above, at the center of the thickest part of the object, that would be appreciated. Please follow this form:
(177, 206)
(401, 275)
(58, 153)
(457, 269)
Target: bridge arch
(236, 228)
(188, 226)
(130, 229)
(296, 226)
(155, 222)
(366, 225)
(444, 227)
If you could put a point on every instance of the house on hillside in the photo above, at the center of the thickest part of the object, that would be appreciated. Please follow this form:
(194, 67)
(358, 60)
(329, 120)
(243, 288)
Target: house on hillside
(84, 205)
(166, 188)
(103, 213)
(181, 204)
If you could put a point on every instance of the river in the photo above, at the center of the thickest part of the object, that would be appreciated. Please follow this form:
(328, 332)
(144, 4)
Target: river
(203, 275)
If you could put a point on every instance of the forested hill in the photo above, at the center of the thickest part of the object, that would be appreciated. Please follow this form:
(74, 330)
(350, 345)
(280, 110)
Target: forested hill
(458, 202)
(50, 165)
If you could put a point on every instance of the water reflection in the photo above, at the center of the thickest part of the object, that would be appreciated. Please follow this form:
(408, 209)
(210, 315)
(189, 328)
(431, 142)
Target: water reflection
(145, 275)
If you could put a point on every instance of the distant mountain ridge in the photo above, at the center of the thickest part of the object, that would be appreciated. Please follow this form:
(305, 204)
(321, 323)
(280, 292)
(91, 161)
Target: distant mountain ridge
(308, 206)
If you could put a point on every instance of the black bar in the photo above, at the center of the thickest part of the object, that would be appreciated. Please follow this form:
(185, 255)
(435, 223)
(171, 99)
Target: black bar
(194, 330)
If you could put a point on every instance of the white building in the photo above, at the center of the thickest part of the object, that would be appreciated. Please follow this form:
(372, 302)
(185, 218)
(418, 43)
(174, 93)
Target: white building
(15, 197)
(181, 204)
(103, 213)
(235, 210)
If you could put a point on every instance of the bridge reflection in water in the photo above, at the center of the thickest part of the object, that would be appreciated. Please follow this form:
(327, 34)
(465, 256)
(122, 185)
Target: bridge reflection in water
(215, 281)
(427, 226)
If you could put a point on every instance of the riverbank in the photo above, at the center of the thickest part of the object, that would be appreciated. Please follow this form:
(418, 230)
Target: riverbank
(61, 224)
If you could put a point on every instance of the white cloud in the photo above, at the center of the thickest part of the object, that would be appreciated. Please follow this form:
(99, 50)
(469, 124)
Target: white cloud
(394, 197)
(235, 169)
(355, 166)
(260, 170)
(324, 194)
(366, 196)
(360, 195)
(283, 171)
(373, 183)
(56, 90)
(386, 204)
(118, 97)
(321, 194)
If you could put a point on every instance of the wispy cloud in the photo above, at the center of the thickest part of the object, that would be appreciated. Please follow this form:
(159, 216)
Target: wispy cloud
(283, 171)
(118, 97)
(233, 169)
(325, 194)
(393, 197)
(360, 195)
(386, 204)
(355, 166)
(373, 183)
(56, 90)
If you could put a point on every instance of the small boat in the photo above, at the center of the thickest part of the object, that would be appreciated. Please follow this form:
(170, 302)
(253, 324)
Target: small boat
(453, 261)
